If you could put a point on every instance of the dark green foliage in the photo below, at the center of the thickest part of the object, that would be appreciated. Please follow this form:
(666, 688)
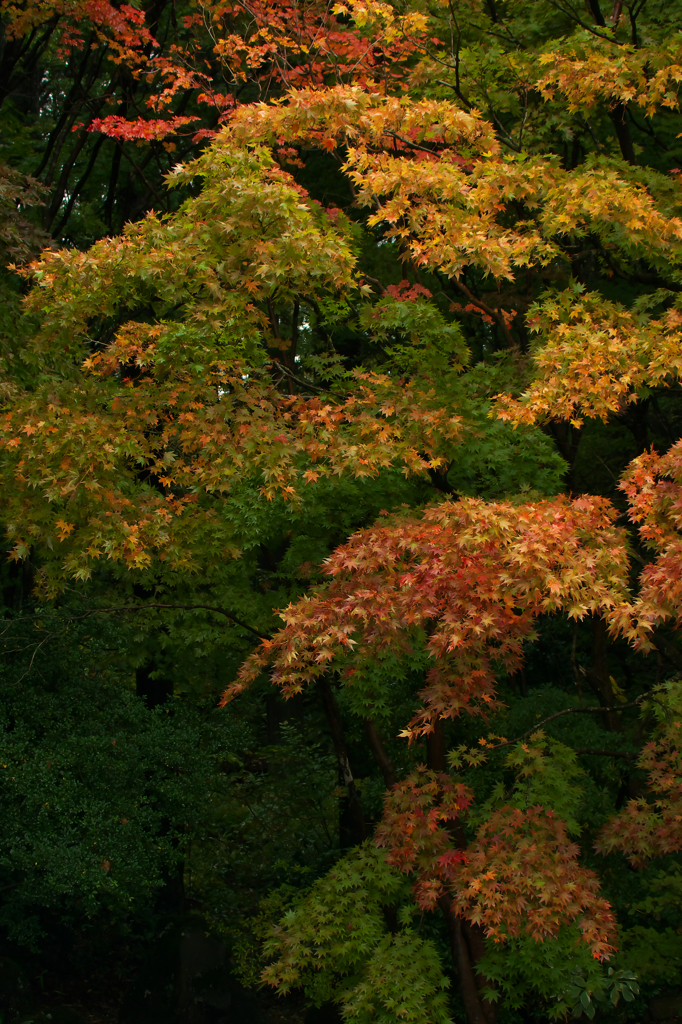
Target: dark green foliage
(101, 796)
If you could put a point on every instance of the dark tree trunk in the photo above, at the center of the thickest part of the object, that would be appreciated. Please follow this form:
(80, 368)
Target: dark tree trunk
(598, 676)
(382, 759)
(466, 946)
(620, 123)
(435, 747)
(567, 439)
(352, 827)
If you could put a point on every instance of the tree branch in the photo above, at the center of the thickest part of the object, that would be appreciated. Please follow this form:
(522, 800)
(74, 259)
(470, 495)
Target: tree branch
(141, 608)
(608, 753)
(486, 309)
(572, 711)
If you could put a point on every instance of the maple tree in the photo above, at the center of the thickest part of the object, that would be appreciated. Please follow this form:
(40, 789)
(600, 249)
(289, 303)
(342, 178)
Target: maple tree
(121, 92)
(419, 271)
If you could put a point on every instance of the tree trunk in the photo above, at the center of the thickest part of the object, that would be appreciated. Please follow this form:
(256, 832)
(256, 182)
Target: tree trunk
(381, 757)
(466, 947)
(351, 822)
(619, 117)
(598, 676)
(435, 747)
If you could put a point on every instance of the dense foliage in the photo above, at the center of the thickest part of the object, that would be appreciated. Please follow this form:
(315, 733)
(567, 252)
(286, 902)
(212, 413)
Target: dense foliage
(341, 468)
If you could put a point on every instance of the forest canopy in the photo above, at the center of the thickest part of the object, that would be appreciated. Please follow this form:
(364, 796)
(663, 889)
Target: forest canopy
(341, 466)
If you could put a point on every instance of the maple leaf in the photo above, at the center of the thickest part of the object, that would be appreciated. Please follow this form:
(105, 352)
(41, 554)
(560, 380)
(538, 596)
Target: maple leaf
(64, 529)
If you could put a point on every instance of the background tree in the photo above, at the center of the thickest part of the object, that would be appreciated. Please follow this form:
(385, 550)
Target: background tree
(397, 355)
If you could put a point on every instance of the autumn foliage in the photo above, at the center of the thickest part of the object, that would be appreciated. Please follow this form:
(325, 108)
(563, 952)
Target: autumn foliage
(472, 575)
(369, 273)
